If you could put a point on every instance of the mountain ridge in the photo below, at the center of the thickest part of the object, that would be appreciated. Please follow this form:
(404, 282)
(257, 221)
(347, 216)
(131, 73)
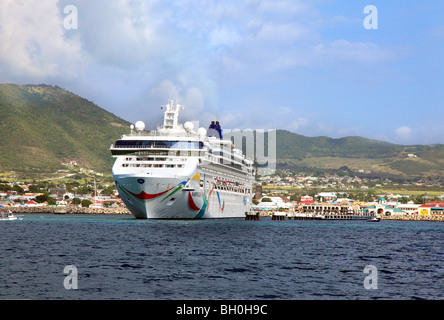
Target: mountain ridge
(44, 126)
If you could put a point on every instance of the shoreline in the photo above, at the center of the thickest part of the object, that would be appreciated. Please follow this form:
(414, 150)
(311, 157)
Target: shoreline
(434, 218)
(67, 210)
(125, 211)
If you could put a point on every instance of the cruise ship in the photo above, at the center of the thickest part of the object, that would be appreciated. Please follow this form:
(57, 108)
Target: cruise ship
(175, 172)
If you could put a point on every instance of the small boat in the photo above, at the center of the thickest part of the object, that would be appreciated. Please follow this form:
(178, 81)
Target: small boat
(9, 216)
(374, 219)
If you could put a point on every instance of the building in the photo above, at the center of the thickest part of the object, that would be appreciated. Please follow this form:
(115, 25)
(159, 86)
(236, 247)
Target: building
(383, 209)
(409, 208)
(431, 208)
(57, 192)
(275, 204)
(327, 196)
(305, 200)
(32, 203)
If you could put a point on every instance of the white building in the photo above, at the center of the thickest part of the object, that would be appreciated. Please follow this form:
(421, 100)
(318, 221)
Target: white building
(327, 196)
(409, 207)
(275, 204)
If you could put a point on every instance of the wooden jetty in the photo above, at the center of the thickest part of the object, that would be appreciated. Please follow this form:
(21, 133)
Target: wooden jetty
(318, 216)
(279, 216)
(252, 215)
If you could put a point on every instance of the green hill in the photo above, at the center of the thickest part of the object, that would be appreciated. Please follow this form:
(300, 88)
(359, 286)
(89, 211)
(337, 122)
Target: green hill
(294, 146)
(358, 155)
(43, 126)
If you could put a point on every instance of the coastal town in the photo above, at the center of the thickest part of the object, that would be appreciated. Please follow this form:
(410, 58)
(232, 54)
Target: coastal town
(293, 194)
(286, 193)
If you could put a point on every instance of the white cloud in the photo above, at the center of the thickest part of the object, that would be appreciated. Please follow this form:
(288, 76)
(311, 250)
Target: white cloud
(287, 9)
(283, 33)
(136, 54)
(403, 134)
(224, 36)
(191, 98)
(353, 51)
(33, 42)
(166, 88)
(298, 124)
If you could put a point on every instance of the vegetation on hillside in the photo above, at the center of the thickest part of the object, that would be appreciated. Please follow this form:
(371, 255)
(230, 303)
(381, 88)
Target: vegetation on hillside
(43, 126)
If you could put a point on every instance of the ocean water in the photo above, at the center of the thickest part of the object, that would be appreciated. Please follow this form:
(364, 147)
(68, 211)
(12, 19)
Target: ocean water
(119, 257)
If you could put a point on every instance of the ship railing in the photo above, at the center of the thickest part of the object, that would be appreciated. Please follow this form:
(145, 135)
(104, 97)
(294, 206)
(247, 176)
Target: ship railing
(154, 133)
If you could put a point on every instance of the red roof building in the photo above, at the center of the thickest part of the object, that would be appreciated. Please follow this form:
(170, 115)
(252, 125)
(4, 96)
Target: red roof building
(433, 207)
(31, 202)
(306, 200)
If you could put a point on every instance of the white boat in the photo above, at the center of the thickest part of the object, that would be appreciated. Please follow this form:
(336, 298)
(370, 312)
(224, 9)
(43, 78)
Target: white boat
(175, 172)
(374, 219)
(9, 216)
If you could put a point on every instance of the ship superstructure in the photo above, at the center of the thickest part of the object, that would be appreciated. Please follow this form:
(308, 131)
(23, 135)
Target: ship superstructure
(175, 172)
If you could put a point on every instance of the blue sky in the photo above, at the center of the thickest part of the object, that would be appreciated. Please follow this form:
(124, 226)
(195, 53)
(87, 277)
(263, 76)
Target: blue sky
(309, 67)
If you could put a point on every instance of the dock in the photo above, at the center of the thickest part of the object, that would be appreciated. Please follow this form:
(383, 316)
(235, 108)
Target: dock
(282, 216)
(318, 216)
(279, 216)
(252, 215)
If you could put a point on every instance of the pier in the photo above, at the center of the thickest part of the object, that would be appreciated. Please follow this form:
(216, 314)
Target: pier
(252, 215)
(279, 216)
(282, 216)
(318, 216)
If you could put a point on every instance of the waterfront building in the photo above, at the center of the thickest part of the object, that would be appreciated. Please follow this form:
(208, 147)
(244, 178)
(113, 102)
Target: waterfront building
(305, 200)
(409, 208)
(275, 204)
(383, 210)
(431, 208)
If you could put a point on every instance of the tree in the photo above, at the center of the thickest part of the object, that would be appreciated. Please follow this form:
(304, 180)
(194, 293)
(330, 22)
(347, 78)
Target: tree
(108, 191)
(76, 201)
(86, 203)
(404, 200)
(42, 198)
(51, 201)
(18, 189)
(34, 188)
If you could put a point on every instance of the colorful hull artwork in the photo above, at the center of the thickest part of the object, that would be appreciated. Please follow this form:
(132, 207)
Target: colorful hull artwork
(185, 200)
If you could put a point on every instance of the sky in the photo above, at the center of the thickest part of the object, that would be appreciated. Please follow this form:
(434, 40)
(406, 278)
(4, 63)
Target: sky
(316, 68)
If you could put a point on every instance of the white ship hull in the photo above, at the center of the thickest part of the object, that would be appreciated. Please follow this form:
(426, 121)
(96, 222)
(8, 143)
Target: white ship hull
(173, 198)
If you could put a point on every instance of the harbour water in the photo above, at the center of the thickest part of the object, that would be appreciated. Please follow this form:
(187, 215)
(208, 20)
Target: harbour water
(119, 257)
